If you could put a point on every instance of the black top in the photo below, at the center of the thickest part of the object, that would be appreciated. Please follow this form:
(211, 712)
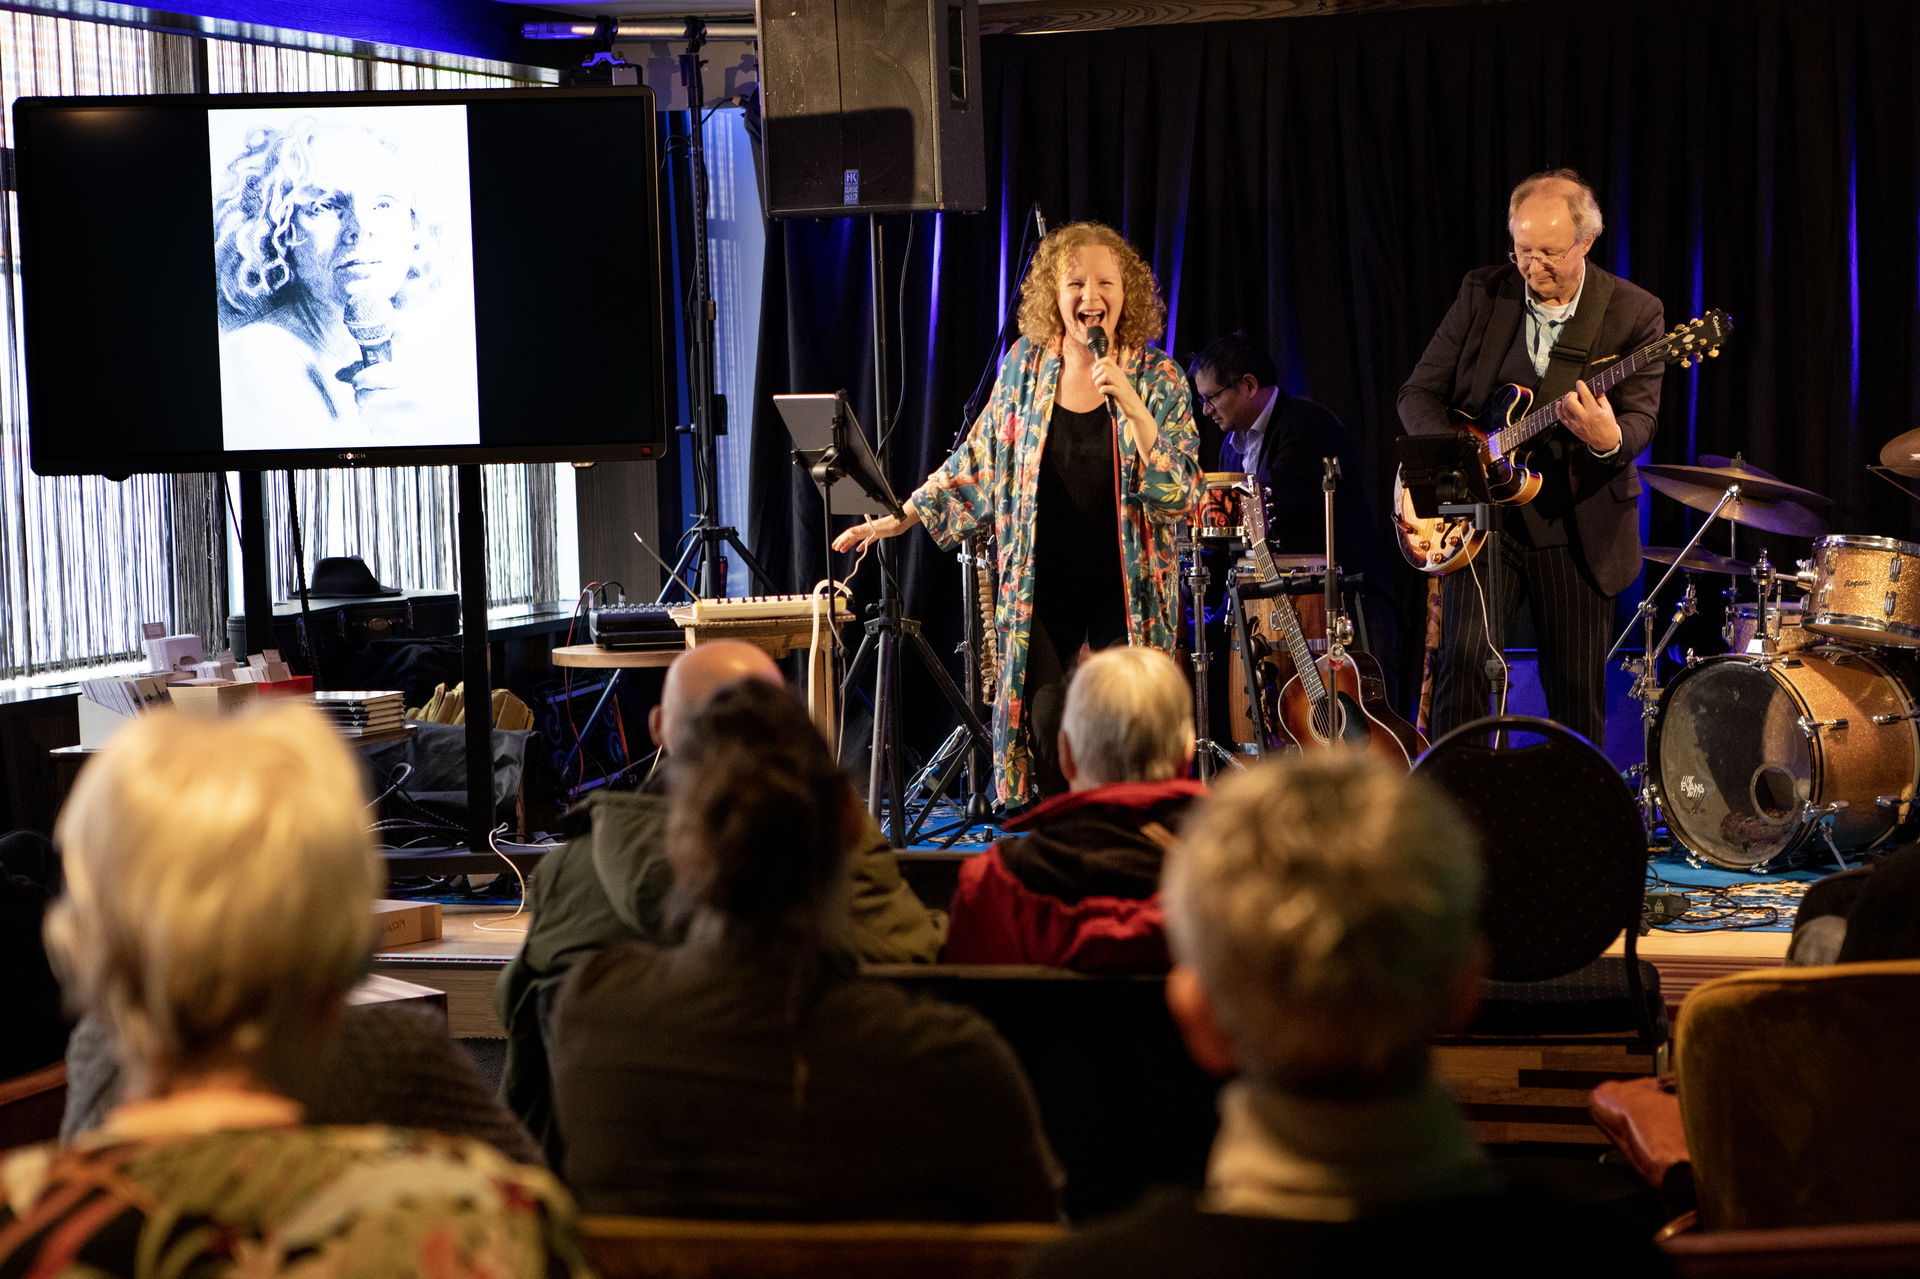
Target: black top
(1077, 539)
(1511, 1231)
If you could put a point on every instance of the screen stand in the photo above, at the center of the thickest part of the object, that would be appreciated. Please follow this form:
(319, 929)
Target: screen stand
(471, 532)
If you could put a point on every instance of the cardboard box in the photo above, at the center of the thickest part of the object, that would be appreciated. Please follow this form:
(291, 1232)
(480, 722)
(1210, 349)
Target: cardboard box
(403, 923)
(212, 697)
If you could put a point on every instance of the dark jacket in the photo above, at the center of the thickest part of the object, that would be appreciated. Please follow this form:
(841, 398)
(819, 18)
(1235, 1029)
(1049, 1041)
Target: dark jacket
(740, 1075)
(610, 883)
(1459, 371)
(1077, 886)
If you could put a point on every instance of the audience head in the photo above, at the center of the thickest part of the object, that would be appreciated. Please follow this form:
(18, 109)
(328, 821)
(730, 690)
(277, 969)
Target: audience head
(1128, 718)
(696, 675)
(220, 877)
(758, 814)
(1323, 916)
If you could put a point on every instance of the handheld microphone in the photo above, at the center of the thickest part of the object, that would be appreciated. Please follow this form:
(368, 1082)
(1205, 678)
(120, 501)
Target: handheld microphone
(1097, 342)
(370, 321)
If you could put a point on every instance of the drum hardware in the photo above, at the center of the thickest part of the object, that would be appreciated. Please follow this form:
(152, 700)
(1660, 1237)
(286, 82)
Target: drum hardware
(1814, 725)
(1208, 754)
(1909, 716)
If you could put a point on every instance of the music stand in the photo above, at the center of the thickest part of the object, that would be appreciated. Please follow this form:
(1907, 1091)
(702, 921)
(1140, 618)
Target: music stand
(830, 445)
(1443, 477)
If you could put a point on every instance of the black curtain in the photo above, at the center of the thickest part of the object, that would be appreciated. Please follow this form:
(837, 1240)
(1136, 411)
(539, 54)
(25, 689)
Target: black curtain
(1324, 182)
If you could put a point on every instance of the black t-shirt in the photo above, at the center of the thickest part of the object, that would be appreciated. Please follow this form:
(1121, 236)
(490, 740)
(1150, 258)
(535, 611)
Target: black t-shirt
(1077, 538)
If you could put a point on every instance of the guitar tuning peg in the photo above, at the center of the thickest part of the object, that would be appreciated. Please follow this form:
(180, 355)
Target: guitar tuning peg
(1715, 352)
(1686, 362)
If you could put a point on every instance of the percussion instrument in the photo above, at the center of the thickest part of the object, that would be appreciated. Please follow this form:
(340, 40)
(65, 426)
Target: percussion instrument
(1686, 484)
(1866, 590)
(1755, 759)
(1784, 620)
(1696, 560)
(1216, 519)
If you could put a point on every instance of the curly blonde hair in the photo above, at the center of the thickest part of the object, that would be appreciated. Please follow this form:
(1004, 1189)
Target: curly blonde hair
(1143, 316)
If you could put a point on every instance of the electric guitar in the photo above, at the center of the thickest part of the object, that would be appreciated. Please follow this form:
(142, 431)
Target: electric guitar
(1340, 699)
(1504, 429)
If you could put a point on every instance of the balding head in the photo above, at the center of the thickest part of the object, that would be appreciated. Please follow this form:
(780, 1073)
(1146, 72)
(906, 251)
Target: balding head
(697, 675)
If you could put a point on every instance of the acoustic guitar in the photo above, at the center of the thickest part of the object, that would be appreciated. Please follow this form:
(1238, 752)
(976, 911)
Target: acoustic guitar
(1340, 699)
(1504, 430)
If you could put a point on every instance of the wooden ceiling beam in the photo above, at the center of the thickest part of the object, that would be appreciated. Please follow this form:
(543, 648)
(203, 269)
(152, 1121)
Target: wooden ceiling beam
(1032, 17)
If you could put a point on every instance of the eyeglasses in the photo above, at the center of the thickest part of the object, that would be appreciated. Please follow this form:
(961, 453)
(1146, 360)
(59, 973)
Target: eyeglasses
(1537, 257)
(1207, 400)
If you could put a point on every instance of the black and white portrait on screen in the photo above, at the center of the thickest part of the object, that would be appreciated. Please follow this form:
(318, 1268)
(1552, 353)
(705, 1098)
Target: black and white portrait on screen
(343, 248)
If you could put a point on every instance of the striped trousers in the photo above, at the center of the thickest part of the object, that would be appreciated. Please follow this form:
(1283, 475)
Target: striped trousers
(1571, 619)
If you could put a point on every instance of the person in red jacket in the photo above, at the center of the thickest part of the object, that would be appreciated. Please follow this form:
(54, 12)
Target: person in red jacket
(1076, 885)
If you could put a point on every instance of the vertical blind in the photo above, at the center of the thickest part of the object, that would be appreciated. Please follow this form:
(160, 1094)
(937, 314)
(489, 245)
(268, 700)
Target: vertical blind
(85, 560)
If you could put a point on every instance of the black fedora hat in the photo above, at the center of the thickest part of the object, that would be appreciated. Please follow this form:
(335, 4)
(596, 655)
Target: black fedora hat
(345, 577)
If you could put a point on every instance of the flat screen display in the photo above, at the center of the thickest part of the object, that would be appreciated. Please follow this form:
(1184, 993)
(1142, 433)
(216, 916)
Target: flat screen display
(268, 280)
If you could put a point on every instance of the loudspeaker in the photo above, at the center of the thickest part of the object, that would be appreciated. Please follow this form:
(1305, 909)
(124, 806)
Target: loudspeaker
(871, 106)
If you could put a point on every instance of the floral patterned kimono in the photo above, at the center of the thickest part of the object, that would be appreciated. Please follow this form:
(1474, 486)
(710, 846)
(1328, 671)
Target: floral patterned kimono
(992, 479)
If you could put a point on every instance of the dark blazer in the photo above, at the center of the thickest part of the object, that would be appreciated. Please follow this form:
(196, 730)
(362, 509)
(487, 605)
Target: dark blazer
(1458, 371)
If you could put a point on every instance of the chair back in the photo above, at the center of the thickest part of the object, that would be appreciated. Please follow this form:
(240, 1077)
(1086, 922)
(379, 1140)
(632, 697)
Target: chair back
(31, 1106)
(1797, 1091)
(1565, 852)
(661, 1248)
(1797, 1252)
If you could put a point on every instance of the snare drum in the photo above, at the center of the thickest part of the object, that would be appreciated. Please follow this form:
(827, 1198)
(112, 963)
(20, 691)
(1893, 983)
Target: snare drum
(1217, 518)
(1753, 758)
(1867, 590)
(1789, 635)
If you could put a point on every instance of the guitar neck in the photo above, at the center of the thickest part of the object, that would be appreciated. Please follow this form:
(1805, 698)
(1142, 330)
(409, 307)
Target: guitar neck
(1547, 415)
(1286, 620)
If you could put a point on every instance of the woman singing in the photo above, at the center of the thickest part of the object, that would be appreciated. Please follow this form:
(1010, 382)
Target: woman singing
(1080, 466)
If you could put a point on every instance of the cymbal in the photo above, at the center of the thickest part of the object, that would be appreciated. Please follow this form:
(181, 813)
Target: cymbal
(1901, 454)
(1736, 462)
(1696, 560)
(1774, 517)
(1753, 483)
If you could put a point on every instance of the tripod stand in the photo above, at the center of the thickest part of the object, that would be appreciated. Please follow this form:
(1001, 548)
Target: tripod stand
(889, 624)
(708, 536)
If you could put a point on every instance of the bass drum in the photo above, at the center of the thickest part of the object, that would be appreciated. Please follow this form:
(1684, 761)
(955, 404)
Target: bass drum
(1752, 756)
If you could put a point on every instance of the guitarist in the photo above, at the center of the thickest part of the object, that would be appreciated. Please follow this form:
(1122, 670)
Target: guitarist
(1541, 322)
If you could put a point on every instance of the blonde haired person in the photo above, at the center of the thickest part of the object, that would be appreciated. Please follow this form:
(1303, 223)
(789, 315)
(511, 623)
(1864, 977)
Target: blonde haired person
(219, 884)
(1324, 912)
(1075, 883)
(1079, 467)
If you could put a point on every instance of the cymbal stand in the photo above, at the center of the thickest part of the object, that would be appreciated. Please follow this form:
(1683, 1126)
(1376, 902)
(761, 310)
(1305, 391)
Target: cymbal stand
(1209, 755)
(1645, 668)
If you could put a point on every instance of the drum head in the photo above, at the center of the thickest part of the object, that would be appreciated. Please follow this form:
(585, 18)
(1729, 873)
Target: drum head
(1734, 766)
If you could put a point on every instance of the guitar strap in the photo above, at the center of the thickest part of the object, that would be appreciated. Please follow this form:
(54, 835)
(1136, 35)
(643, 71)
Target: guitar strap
(1568, 359)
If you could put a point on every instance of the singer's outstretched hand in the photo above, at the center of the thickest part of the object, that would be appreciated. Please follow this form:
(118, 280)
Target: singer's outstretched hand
(867, 532)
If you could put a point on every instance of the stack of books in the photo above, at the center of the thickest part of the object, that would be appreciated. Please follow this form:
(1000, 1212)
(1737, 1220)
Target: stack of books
(363, 714)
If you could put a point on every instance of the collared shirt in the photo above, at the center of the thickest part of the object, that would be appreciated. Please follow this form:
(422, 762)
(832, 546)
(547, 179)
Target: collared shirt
(1544, 324)
(1249, 442)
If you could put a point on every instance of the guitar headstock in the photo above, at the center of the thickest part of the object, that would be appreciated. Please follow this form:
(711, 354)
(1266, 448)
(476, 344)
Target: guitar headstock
(1697, 339)
(1253, 520)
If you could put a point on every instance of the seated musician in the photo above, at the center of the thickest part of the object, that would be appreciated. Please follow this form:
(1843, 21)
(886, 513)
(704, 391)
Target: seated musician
(1323, 915)
(1280, 440)
(750, 1072)
(611, 879)
(1076, 882)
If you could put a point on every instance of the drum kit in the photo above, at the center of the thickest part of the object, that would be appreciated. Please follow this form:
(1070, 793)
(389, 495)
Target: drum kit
(1802, 740)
